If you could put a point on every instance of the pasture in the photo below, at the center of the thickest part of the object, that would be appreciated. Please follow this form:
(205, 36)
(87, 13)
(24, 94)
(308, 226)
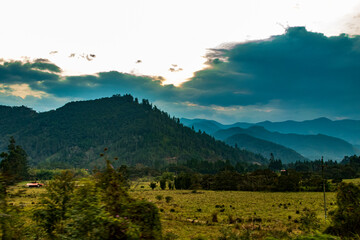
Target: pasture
(189, 214)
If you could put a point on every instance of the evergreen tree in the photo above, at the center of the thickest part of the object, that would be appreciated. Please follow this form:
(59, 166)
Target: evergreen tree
(14, 165)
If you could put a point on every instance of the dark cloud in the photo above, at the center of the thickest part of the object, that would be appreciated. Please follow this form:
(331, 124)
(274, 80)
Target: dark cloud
(299, 69)
(88, 57)
(16, 72)
(297, 75)
(175, 68)
(81, 87)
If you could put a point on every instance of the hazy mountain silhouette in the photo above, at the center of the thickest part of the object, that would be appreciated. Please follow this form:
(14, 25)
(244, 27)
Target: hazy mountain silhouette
(310, 146)
(265, 148)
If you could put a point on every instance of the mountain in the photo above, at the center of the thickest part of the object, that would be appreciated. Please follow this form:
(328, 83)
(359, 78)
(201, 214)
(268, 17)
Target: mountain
(207, 126)
(348, 130)
(137, 133)
(264, 148)
(310, 146)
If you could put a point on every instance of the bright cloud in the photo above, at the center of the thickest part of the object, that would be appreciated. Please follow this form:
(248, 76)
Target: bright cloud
(157, 32)
(296, 75)
(21, 90)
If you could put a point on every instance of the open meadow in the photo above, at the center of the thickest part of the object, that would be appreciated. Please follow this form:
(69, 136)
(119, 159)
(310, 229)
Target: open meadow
(190, 214)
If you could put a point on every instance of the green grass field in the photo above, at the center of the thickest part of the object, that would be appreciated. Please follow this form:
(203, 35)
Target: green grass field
(190, 214)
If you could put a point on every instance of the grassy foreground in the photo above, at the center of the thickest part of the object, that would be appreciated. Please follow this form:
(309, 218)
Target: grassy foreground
(187, 214)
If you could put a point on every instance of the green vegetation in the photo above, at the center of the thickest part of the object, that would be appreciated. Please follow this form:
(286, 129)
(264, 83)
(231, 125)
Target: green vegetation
(184, 214)
(14, 166)
(97, 207)
(274, 201)
(73, 135)
(346, 217)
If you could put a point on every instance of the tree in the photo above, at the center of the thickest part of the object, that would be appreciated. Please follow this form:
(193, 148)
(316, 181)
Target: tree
(55, 203)
(275, 165)
(162, 184)
(98, 208)
(346, 218)
(14, 165)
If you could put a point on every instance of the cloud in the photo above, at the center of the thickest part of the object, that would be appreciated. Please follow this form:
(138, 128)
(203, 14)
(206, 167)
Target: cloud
(25, 79)
(21, 90)
(16, 72)
(299, 70)
(298, 75)
(89, 57)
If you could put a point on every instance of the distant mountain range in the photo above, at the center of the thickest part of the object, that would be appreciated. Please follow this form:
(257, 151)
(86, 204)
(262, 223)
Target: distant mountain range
(135, 132)
(312, 139)
(263, 147)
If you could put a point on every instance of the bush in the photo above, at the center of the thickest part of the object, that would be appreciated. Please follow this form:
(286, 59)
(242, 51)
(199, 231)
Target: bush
(152, 185)
(162, 184)
(346, 218)
(168, 199)
(146, 215)
(214, 217)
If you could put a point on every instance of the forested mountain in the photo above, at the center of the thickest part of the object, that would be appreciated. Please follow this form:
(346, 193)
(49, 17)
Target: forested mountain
(75, 134)
(265, 148)
(310, 146)
(207, 126)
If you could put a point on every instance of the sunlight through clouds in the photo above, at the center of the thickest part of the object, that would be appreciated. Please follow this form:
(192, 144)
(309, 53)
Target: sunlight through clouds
(21, 90)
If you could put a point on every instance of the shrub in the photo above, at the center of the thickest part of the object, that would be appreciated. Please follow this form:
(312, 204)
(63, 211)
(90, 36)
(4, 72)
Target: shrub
(162, 184)
(168, 199)
(231, 219)
(346, 218)
(146, 215)
(159, 197)
(214, 217)
(152, 185)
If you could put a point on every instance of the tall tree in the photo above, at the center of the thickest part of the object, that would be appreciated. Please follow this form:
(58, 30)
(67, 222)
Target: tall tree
(14, 165)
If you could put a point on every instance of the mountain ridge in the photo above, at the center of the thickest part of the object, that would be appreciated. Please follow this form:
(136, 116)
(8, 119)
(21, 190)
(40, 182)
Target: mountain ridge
(310, 133)
(136, 132)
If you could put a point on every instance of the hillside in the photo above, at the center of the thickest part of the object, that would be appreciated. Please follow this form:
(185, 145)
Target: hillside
(137, 133)
(310, 146)
(265, 148)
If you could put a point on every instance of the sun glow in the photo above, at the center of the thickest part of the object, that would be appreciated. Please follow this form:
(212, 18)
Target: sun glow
(148, 37)
(21, 90)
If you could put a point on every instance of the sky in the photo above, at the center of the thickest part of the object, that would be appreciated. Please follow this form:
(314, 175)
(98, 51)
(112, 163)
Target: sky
(249, 60)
